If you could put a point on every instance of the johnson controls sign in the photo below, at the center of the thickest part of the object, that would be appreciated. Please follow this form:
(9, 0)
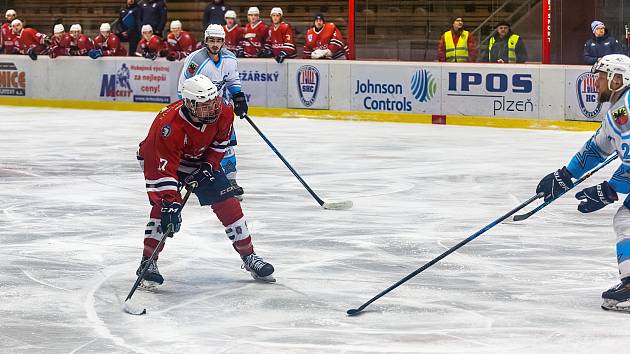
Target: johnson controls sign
(407, 90)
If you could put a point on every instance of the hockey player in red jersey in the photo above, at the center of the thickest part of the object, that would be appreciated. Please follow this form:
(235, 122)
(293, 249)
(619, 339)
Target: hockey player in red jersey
(60, 42)
(324, 41)
(233, 34)
(255, 35)
(7, 38)
(107, 44)
(184, 148)
(280, 37)
(179, 43)
(150, 46)
(28, 41)
(81, 44)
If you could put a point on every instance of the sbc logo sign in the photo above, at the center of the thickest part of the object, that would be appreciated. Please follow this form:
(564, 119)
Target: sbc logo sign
(586, 91)
(308, 84)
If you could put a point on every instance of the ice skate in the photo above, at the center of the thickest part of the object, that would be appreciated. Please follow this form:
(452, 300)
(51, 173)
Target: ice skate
(258, 268)
(152, 277)
(617, 298)
(238, 190)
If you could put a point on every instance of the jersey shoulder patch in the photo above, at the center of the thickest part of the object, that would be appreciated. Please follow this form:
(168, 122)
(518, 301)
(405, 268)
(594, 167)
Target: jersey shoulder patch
(620, 115)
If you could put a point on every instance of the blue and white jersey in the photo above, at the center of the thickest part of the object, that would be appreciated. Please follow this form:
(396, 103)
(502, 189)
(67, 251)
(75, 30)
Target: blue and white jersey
(612, 137)
(224, 74)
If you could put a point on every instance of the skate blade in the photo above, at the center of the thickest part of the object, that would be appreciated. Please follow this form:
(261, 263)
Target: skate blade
(149, 285)
(267, 279)
(612, 305)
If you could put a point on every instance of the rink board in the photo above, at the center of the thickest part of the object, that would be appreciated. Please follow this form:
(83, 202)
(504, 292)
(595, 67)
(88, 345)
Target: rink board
(414, 92)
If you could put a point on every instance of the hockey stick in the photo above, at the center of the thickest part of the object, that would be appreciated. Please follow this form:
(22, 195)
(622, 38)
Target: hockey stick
(343, 205)
(580, 180)
(128, 308)
(356, 311)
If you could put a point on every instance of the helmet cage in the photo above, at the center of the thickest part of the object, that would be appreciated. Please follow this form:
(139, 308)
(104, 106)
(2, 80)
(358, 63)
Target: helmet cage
(207, 112)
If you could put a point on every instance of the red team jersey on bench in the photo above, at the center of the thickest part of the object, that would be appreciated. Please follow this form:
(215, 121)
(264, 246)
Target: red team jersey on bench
(111, 46)
(254, 39)
(328, 37)
(182, 45)
(281, 40)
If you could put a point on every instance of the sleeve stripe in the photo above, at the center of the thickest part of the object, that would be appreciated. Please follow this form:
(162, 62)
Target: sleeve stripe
(337, 42)
(219, 149)
(162, 185)
(161, 189)
(160, 180)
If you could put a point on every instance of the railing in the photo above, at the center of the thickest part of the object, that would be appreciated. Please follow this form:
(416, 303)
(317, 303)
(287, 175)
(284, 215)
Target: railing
(517, 13)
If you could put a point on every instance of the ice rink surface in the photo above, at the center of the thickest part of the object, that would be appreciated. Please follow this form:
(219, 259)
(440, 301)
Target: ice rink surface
(73, 210)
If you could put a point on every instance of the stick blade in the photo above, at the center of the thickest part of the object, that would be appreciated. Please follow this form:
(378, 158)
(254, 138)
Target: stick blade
(133, 310)
(353, 312)
(521, 217)
(344, 205)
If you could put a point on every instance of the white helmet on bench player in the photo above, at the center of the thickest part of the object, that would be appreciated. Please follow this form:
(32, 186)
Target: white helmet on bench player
(201, 98)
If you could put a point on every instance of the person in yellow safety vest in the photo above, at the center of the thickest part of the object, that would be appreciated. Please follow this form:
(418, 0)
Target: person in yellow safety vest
(505, 46)
(457, 44)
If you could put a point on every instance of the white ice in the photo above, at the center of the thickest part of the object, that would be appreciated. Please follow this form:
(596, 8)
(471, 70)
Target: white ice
(73, 210)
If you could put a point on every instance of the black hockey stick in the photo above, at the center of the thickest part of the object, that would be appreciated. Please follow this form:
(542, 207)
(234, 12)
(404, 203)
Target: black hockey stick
(580, 180)
(356, 311)
(326, 205)
(126, 306)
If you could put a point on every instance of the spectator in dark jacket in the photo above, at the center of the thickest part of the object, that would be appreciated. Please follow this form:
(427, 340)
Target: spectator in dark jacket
(214, 14)
(600, 44)
(504, 47)
(127, 26)
(153, 12)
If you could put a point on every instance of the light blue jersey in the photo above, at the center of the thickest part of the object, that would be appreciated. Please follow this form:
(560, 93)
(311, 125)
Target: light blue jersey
(613, 136)
(224, 74)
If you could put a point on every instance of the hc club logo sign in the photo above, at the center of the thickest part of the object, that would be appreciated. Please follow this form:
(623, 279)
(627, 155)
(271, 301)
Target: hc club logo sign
(587, 95)
(308, 84)
(117, 85)
(423, 85)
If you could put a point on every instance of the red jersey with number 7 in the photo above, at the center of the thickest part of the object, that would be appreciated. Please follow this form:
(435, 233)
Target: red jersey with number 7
(177, 144)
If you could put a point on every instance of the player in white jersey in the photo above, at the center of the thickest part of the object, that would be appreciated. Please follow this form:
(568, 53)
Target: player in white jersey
(220, 66)
(613, 84)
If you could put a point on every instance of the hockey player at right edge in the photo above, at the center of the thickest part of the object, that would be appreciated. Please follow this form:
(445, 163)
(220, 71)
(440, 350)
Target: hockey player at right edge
(184, 147)
(613, 83)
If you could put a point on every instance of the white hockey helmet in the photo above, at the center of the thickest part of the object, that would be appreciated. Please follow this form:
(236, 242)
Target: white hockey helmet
(76, 27)
(58, 28)
(176, 24)
(10, 12)
(215, 31)
(253, 11)
(201, 98)
(276, 10)
(16, 22)
(230, 14)
(105, 27)
(614, 64)
(146, 28)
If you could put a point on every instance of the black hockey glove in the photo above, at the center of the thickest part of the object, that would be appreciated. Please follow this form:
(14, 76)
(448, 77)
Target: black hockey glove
(280, 57)
(31, 53)
(265, 53)
(149, 55)
(555, 184)
(240, 104)
(170, 215)
(596, 197)
(239, 53)
(200, 177)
